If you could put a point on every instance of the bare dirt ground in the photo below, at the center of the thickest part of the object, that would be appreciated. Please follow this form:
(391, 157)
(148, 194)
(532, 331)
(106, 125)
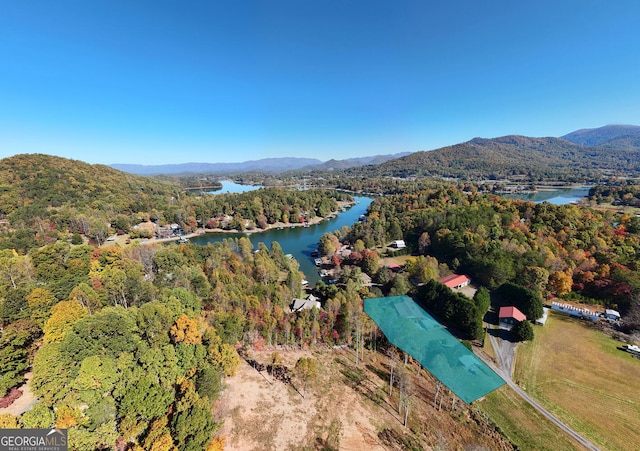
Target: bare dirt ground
(24, 402)
(345, 407)
(265, 413)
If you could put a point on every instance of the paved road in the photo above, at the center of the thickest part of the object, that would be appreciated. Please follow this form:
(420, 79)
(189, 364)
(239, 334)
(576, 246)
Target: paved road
(505, 351)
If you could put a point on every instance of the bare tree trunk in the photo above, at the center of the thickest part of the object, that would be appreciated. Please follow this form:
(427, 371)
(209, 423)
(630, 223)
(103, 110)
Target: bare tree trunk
(406, 414)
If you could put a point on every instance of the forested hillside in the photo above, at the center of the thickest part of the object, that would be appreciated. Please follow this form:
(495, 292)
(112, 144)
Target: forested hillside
(44, 199)
(34, 183)
(553, 250)
(134, 343)
(514, 158)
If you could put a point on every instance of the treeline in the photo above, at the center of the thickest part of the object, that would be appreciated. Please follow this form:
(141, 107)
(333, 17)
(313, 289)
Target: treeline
(553, 250)
(265, 206)
(624, 194)
(455, 309)
(45, 198)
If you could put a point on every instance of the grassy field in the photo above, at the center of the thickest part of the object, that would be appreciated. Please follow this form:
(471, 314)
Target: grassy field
(522, 424)
(581, 376)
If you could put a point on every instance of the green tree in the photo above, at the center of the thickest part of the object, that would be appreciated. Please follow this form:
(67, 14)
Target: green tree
(39, 416)
(154, 320)
(16, 341)
(422, 268)
(76, 238)
(328, 244)
(86, 297)
(370, 261)
(192, 421)
(15, 270)
(40, 301)
(307, 369)
(399, 285)
(523, 331)
(482, 299)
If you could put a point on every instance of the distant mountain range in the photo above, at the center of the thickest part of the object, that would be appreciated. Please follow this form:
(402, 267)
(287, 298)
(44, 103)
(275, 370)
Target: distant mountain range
(263, 165)
(580, 156)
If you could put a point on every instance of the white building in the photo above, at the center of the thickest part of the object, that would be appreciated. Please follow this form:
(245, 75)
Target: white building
(399, 244)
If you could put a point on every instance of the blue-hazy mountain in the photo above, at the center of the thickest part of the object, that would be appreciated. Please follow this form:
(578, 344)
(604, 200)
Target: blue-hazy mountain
(620, 136)
(263, 165)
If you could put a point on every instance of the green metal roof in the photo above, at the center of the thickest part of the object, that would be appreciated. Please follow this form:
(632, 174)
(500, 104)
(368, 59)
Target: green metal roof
(413, 330)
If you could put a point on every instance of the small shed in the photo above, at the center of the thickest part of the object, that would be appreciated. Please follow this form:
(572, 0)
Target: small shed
(399, 244)
(455, 281)
(543, 319)
(510, 316)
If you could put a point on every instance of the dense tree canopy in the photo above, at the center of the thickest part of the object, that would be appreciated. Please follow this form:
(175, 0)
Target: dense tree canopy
(562, 250)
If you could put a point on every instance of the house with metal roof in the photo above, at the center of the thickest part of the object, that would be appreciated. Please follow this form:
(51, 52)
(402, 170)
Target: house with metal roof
(510, 316)
(455, 281)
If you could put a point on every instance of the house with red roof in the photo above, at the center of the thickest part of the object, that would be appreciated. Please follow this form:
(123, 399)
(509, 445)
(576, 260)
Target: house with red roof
(510, 316)
(455, 281)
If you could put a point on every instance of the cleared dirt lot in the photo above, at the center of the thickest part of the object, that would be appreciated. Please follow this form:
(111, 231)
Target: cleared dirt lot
(346, 407)
(265, 413)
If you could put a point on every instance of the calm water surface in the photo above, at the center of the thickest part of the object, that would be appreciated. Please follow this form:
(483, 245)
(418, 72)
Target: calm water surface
(232, 187)
(298, 241)
(557, 196)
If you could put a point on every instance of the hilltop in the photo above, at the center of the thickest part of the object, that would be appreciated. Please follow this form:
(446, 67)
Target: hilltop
(624, 136)
(515, 158)
(34, 183)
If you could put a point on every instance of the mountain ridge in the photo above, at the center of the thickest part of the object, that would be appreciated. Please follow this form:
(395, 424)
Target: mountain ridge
(277, 164)
(612, 135)
(581, 155)
(515, 158)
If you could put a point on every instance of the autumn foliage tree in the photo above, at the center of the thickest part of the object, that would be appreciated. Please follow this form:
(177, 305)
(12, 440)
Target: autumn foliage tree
(186, 330)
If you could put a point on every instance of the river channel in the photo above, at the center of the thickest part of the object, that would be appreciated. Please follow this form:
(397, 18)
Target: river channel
(302, 241)
(297, 241)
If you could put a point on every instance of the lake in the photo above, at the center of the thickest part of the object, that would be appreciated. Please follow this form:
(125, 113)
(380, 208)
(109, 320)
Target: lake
(298, 241)
(232, 187)
(560, 196)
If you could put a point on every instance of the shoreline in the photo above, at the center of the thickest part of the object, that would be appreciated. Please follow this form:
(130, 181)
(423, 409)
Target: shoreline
(121, 241)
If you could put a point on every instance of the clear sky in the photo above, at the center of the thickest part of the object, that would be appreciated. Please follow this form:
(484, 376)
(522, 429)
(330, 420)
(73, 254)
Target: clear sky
(155, 82)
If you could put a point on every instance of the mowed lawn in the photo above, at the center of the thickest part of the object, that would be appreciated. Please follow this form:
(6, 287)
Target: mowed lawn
(581, 376)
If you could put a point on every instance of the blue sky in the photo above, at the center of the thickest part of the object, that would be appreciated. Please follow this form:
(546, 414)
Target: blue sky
(155, 82)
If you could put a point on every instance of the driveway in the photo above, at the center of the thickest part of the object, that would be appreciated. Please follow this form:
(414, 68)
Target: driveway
(505, 353)
(505, 350)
